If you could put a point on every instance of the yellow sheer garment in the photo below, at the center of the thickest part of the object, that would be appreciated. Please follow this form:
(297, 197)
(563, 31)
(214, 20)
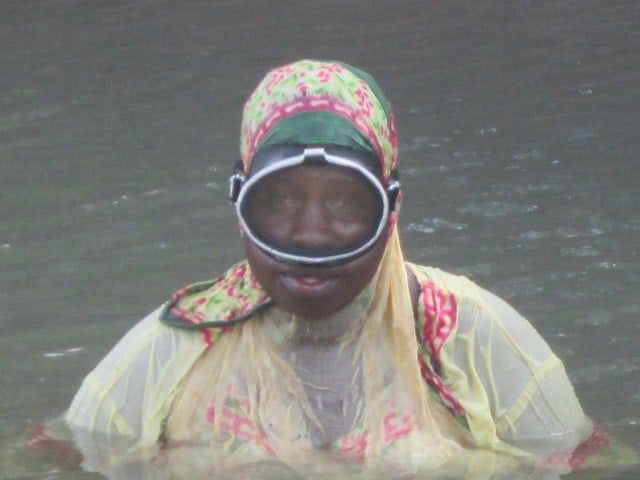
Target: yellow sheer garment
(514, 390)
(516, 399)
(253, 377)
(124, 401)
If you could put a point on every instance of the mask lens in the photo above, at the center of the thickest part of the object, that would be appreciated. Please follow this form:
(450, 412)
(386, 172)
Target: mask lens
(313, 210)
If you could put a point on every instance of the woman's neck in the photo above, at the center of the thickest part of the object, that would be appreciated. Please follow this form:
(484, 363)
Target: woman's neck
(340, 328)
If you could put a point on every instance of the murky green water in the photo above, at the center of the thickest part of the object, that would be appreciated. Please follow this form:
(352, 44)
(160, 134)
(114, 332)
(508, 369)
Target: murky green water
(119, 126)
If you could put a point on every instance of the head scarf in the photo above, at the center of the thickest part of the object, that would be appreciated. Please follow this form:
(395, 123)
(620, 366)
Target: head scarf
(324, 103)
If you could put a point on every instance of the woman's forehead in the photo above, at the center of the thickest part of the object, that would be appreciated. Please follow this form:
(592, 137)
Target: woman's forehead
(276, 153)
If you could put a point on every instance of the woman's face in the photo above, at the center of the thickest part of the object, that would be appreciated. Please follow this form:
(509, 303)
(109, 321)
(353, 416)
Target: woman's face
(314, 207)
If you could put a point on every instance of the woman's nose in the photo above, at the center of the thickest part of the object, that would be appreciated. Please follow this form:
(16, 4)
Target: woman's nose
(310, 228)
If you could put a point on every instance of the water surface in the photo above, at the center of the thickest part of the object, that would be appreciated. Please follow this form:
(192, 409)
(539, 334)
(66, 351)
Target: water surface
(119, 126)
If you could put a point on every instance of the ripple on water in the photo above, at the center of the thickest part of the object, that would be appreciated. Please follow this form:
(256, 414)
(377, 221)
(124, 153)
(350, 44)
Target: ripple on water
(120, 199)
(532, 235)
(418, 143)
(567, 232)
(603, 265)
(592, 373)
(582, 251)
(597, 318)
(430, 225)
(487, 131)
(18, 120)
(633, 225)
(63, 353)
(535, 154)
(572, 233)
(493, 210)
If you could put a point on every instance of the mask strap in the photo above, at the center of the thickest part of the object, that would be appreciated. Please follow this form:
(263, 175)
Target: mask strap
(236, 181)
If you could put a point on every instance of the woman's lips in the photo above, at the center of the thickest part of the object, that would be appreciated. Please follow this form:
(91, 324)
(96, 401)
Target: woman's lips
(306, 283)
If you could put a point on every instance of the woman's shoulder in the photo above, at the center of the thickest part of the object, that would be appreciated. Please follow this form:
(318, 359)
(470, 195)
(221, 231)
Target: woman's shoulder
(133, 379)
(432, 278)
(449, 305)
(154, 355)
(436, 296)
(492, 364)
(456, 299)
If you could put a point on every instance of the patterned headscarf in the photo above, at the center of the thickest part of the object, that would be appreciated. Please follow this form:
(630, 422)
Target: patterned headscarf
(313, 102)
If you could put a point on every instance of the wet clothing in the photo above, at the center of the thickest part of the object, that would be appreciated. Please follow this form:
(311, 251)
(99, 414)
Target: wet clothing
(494, 382)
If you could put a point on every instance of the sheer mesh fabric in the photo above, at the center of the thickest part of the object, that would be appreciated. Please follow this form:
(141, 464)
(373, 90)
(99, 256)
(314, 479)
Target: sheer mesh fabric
(129, 394)
(514, 389)
(161, 383)
(255, 377)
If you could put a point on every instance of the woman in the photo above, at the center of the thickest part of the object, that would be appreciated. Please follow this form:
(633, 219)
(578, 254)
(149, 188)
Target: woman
(324, 342)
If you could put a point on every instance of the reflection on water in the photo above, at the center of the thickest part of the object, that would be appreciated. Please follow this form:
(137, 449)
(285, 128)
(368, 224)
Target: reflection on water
(194, 463)
(118, 127)
(119, 459)
(114, 460)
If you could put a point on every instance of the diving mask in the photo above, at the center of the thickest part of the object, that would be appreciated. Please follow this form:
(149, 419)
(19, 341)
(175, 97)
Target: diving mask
(313, 207)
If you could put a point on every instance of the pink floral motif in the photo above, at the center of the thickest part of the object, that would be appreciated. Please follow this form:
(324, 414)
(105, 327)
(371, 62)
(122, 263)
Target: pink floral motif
(441, 316)
(354, 445)
(179, 293)
(277, 76)
(320, 102)
(435, 382)
(233, 294)
(208, 337)
(325, 72)
(440, 319)
(364, 100)
(240, 270)
(397, 426)
(323, 75)
(303, 88)
(241, 427)
(278, 96)
(597, 441)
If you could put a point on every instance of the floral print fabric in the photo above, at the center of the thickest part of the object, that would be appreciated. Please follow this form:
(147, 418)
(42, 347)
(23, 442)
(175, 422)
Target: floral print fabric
(214, 306)
(310, 85)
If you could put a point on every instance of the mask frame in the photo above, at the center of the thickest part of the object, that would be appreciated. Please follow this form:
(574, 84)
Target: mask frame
(239, 185)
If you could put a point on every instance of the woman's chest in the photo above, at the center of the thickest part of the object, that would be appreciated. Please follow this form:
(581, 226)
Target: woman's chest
(332, 383)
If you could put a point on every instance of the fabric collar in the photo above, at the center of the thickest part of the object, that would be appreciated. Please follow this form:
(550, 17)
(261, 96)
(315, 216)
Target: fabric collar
(231, 298)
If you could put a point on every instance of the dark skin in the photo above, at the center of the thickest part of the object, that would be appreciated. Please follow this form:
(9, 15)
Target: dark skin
(354, 276)
(313, 207)
(339, 284)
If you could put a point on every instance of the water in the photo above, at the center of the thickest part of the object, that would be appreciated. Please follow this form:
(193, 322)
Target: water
(119, 126)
